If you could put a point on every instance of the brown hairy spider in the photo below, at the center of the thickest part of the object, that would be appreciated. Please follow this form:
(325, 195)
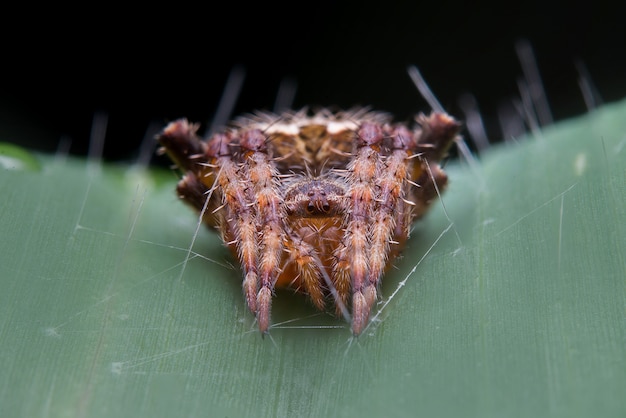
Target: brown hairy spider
(319, 202)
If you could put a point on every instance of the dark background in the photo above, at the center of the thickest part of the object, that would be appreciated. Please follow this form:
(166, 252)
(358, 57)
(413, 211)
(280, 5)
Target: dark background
(161, 63)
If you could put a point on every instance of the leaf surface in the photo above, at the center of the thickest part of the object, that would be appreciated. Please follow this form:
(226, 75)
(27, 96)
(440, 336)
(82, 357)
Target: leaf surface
(510, 302)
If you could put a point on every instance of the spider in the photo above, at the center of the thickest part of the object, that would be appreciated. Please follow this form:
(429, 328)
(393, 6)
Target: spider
(321, 202)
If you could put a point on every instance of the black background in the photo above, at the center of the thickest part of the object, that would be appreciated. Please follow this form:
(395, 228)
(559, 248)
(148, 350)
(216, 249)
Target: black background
(163, 62)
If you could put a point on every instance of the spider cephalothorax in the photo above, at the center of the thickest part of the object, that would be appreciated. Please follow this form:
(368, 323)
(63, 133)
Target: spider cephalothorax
(320, 202)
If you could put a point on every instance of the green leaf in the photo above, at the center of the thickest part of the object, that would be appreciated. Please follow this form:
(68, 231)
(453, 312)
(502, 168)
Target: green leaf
(511, 302)
(13, 157)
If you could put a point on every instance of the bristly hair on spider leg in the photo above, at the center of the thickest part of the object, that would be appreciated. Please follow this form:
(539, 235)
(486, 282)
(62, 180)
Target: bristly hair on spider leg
(262, 175)
(362, 173)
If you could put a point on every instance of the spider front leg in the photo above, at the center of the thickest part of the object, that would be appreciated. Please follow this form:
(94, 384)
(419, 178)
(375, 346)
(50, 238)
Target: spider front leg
(352, 256)
(384, 181)
(270, 213)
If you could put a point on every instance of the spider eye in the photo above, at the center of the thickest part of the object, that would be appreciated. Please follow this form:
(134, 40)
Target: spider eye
(317, 206)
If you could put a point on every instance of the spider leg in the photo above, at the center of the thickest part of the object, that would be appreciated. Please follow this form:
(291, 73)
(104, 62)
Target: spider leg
(438, 132)
(181, 144)
(352, 256)
(238, 220)
(270, 212)
(212, 167)
(391, 185)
